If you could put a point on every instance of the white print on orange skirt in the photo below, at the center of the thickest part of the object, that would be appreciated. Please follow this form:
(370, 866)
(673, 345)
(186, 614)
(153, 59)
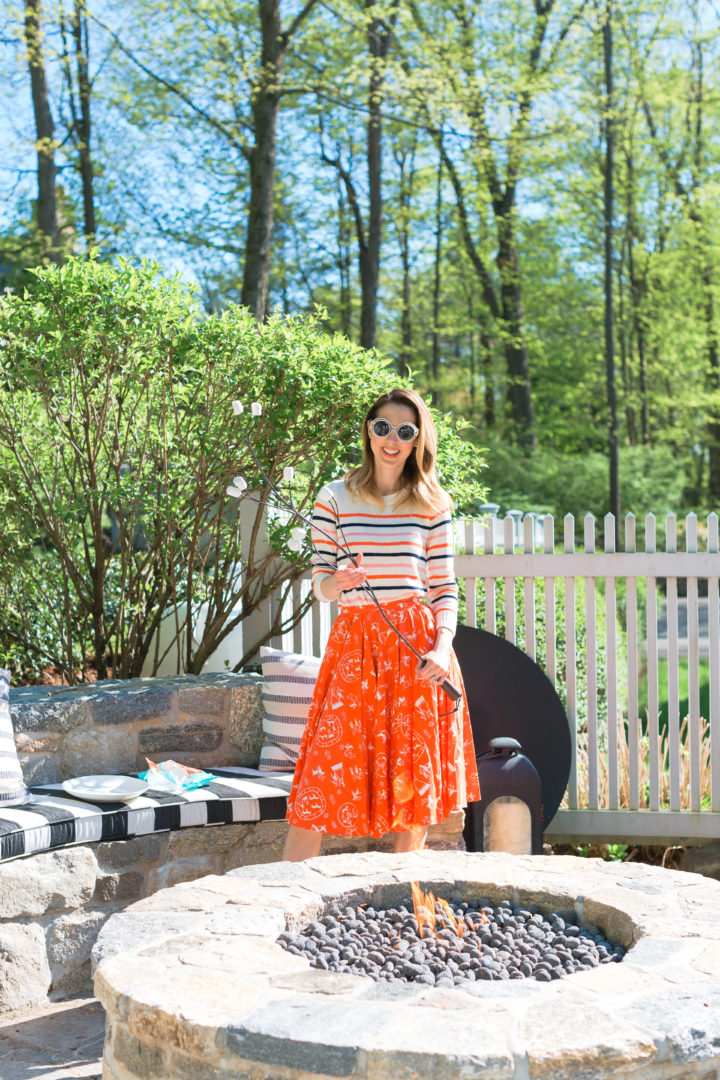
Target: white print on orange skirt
(400, 725)
(380, 765)
(348, 815)
(350, 666)
(337, 774)
(329, 732)
(355, 721)
(403, 760)
(310, 804)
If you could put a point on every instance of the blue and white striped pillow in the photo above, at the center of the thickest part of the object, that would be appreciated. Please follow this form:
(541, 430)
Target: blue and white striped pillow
(288, 683)
(12, 785)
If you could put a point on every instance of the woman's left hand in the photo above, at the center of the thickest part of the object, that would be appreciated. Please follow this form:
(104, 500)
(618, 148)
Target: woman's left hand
(435, 665)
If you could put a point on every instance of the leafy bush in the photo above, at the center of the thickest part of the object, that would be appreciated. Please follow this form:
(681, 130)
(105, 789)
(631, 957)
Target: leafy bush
(117, 441)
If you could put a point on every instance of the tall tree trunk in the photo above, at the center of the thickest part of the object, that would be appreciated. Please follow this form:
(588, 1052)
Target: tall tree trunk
(471, 348)
(487, 363)
(625, 344)
(79, 94)
(517, 360)
(609, 125)
(407, 177)
(44, 130)
(712, 349)
(644, 387)
(624, 322)
(707, 273)
(406, 335)
(344, 263)
(265, 105)
(437, 269)
(379, 37)
(638, 299)
(82, 57)
(369, 233)
(370, 259)
(472, 372)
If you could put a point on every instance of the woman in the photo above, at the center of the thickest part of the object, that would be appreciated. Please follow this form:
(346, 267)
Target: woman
(385, 749)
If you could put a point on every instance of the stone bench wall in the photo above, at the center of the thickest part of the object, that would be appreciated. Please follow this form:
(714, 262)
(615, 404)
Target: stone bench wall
(112, 726)
(53, 904)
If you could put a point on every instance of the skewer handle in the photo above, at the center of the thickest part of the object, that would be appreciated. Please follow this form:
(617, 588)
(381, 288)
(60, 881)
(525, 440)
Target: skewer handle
(448, 687)
(451, 690)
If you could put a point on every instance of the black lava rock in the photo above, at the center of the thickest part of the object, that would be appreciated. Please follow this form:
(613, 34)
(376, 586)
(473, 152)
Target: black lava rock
(475, 941)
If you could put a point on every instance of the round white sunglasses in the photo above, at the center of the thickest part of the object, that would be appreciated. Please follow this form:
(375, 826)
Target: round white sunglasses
(405, 432)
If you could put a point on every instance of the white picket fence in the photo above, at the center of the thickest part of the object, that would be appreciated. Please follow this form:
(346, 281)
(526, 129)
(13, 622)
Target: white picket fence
(633, 779)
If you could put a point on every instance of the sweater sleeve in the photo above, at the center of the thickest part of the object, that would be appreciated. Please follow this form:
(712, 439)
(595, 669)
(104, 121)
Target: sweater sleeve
(442, 586)
(324, 540)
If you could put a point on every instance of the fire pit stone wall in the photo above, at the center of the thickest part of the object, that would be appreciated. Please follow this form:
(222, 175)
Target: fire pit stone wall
(197, 988)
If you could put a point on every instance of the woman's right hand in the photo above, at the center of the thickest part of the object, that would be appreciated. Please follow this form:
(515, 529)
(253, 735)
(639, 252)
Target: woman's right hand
(350, 577)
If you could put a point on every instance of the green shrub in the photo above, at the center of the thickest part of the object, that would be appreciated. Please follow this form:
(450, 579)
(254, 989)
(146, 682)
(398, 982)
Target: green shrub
(118, 440)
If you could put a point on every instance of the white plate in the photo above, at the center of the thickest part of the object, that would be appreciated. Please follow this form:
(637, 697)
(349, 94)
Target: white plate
(105, 788)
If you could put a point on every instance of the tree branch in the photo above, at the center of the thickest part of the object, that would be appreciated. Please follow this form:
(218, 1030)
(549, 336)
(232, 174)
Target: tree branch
(297, 21)
(474, 255)
(350, 190)
(212, 121)
(673, 170)
(562, 35)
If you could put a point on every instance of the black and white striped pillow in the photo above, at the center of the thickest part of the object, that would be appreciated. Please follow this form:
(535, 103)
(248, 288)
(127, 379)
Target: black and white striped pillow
(288, 683)
(12, 786)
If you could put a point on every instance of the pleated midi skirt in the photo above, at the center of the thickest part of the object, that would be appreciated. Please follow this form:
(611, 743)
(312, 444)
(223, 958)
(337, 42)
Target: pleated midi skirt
(383, 750)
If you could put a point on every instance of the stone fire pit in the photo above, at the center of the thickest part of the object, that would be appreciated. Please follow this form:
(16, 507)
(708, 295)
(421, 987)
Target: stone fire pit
(197, 988)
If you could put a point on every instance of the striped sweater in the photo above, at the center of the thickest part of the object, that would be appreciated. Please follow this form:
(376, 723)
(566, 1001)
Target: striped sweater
(406, 553)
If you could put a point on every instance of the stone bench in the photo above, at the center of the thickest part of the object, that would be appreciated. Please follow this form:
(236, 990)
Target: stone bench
(53, 902)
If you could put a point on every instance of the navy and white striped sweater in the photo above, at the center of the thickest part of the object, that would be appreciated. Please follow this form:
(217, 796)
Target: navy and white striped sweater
(407, 552)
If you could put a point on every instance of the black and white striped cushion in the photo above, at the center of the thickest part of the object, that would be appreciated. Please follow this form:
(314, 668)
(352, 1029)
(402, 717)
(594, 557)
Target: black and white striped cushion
(53, 819)
(12, 786)
(288, 683)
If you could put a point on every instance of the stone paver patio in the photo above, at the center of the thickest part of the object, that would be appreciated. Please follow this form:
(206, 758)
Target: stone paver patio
(60, 1041)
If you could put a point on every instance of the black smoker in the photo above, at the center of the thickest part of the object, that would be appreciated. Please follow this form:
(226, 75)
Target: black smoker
(509, 814)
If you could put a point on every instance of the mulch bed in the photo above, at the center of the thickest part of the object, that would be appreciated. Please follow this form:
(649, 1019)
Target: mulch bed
(55, 676)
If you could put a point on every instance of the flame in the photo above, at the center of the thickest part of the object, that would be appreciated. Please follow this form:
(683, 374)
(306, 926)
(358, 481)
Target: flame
(428, 910)
(456, 923)
(425, 912)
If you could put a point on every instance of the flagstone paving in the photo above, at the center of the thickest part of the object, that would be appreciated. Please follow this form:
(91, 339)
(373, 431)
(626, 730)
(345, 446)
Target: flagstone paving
(60, 1041)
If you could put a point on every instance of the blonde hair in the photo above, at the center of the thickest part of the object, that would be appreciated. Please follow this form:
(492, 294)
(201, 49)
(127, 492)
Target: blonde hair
(419, 479)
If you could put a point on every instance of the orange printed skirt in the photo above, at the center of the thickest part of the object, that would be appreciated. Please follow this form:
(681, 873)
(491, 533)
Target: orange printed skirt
(383, 750)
